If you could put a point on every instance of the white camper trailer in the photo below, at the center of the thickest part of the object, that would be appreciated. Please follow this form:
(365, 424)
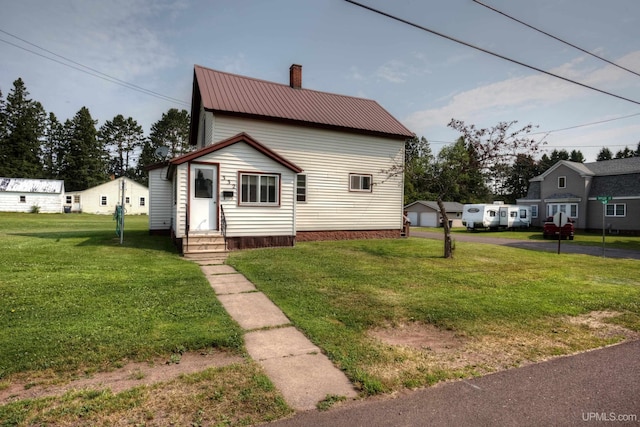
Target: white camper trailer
(495, 216)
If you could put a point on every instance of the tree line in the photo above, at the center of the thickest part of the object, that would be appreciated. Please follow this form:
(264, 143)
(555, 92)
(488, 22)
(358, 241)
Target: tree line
(484, 164)
(36, 144)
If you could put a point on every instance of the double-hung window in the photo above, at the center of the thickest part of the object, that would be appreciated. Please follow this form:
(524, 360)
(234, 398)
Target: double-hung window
(103, 200)
(259, 189)
(301, 188)
(616, 209)
(359, 182)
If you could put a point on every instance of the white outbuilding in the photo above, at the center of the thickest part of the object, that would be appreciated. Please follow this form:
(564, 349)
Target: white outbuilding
(31, 195)
(102, 199)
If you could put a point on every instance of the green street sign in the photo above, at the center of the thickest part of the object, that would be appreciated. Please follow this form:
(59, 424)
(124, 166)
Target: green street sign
(604, 199)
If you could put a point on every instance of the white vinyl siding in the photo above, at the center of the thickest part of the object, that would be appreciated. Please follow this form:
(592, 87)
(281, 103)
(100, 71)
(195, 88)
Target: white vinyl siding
(328, 158)
(246, 220)
(102, 199)
(160, 200)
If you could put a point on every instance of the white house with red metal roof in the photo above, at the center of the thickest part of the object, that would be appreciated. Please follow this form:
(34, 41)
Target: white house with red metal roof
(276, 163)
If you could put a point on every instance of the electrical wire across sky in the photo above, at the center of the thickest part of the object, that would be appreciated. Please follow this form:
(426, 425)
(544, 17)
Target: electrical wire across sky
(497, 55)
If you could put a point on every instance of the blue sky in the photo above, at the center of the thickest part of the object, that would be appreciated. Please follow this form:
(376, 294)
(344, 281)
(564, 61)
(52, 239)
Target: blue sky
(422, 79)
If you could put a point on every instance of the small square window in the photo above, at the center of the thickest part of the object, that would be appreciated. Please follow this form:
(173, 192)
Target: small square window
(23, 199)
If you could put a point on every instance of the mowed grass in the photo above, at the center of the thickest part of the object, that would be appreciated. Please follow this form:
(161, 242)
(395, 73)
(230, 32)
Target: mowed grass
(74, 302)
(71, 296)
(505, 306)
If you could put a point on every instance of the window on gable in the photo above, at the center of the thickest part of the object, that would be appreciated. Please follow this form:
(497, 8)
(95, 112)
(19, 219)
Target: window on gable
(360, 182)
(103, 200)
(301, 188)
(562, 182)
(259, 189)
(616, 209)
(142, 201)
(127, 200)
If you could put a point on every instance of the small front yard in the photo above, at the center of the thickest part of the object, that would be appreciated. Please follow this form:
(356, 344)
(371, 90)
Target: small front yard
(77, 305)
(74, 303)
(394, 313)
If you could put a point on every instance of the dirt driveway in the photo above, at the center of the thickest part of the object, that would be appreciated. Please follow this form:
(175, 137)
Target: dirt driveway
(534, 245)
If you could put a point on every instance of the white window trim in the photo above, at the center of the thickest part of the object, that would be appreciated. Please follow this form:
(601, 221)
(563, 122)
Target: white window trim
(106, 201)
(534, 211)
(142, 201)
(304, 188)
(259, 203)
(615, 210)
(563, 207)
(564, 179)
(360, 181)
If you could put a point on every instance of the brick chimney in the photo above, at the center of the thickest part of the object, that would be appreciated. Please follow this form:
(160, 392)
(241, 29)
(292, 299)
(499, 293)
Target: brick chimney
(295, 76)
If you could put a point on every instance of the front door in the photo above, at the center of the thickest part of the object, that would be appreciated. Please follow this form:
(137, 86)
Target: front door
(203, 197)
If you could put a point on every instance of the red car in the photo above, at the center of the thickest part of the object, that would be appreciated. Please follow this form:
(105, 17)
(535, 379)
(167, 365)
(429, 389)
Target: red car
(552, 231)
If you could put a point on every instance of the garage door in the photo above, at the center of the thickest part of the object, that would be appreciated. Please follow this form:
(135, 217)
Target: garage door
(413, 217)
(428, 219)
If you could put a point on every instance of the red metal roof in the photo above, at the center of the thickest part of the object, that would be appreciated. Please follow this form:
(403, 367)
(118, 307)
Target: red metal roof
(245, 96)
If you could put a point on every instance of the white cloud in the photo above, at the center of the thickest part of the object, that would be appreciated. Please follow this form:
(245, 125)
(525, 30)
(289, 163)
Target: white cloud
(523, 93)
(393, 71)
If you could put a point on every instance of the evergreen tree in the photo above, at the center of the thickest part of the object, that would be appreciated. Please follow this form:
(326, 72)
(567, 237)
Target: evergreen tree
(625, 154)
(576, 156)
(638, 150)
(604, 154)
(84, 162)
(523, 169)
(122, 138)
(51, 146)
(171, 131)
(23, 123)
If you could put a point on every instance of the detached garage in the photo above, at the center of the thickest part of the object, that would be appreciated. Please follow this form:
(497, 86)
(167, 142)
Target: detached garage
(28, 195)
(427, 214)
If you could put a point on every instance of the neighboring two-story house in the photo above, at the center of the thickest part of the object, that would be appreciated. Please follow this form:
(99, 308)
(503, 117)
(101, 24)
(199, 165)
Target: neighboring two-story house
(586, 191)
(277, 163)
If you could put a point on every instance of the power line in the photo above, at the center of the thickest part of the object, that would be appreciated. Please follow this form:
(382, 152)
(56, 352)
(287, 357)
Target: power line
(497, 55)
(556, 38)
(88, 70)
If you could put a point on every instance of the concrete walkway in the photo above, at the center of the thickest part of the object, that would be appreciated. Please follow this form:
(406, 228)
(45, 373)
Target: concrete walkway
(294, 364)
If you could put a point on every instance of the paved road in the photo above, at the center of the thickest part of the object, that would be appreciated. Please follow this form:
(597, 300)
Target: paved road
(537, 245)
(600, 387)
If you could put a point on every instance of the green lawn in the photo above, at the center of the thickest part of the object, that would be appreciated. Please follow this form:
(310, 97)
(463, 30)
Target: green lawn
(72, 296)
(506, 306)
(74, 302)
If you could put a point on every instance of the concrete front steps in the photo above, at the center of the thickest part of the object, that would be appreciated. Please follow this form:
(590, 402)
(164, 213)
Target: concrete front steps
(204, 246)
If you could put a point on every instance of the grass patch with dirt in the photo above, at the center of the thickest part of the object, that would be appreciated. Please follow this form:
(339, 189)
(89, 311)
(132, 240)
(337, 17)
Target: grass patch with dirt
(76, 305)
(495, 307)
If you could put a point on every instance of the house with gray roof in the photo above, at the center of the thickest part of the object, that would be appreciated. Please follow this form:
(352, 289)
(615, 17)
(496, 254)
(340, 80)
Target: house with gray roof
(593, 194)
(426, 213)
(277, 163)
